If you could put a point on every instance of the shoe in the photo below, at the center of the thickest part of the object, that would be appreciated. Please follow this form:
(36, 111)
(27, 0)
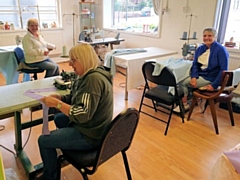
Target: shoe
(177, 109)
(202, 104)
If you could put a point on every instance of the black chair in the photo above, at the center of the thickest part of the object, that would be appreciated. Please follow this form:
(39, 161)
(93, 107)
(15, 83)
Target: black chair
(159, 94)
(117, 138)
(23, 67)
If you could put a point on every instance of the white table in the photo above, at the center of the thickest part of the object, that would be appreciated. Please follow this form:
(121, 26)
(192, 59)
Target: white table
(8, 64)
(133, 64)
(14, 100)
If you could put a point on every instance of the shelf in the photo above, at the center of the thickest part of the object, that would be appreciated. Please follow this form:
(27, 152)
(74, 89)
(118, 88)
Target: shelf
(87, 15)
(188, 38)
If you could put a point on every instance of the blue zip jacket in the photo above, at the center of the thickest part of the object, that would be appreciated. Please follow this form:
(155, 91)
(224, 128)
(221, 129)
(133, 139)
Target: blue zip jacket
(217, 63)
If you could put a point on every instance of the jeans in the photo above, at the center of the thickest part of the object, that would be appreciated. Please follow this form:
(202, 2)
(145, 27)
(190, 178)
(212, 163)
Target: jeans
(51, 67)
(63, 138)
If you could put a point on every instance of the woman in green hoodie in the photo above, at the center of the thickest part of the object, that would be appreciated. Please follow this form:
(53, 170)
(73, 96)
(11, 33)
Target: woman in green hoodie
(85, 112)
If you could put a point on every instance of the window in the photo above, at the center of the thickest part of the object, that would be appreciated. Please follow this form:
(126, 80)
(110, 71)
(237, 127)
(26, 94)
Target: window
(228, 20)
(136, 16)
(17, 12)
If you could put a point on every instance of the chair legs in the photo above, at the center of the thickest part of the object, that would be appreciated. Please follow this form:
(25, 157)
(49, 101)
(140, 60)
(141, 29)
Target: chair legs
(126, 165)
(35, 76)
(230, 111)
(59, 163)
(214, 115)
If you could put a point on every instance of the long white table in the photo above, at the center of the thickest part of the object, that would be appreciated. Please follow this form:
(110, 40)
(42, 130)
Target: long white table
(14, 100)
(133, 64)
(8, 64)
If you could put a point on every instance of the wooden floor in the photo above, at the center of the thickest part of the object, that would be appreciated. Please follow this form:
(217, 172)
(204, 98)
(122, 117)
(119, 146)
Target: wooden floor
(188, 152)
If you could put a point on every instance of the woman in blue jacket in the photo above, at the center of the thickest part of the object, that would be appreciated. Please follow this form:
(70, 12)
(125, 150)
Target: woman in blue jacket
(210, 60)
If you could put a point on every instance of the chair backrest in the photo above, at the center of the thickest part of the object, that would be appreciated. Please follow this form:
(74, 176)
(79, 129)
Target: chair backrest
(230, 79)
(119, 135)
(166, 77)
(19, 54)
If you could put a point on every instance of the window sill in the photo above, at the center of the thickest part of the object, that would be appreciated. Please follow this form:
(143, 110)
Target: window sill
(23, 30)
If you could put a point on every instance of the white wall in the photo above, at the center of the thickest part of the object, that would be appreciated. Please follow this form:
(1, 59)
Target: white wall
(173, 23)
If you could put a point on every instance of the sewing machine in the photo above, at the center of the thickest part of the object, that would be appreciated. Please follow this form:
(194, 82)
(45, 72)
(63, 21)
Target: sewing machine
(64, 82)
(18, 40)
(188, 51)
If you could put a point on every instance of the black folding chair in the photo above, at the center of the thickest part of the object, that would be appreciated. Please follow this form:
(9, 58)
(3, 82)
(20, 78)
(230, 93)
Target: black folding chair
(159, 94)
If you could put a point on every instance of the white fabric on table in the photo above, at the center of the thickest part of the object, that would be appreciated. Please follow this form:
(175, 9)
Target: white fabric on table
(109, 59)
(179, 67)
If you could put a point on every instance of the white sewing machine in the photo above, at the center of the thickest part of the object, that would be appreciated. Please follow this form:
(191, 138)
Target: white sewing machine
(95, 35)
(18, 40)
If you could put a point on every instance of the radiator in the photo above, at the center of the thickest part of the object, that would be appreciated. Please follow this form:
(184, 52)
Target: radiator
(233, 62)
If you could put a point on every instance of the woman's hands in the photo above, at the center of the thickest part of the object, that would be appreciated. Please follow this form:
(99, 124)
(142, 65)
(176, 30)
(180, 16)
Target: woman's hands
(208, 87)
(46, 53)
(193, 82)
(52, 100)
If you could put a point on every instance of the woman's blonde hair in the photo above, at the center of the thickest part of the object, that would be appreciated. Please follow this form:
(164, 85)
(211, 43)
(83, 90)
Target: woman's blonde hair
(32, 21)
(86, 55)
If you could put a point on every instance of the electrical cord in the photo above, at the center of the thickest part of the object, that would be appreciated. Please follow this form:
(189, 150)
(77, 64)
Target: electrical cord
(2, 127)
(30, 130)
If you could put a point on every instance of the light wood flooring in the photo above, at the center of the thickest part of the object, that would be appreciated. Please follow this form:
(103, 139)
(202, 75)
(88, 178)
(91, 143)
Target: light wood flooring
(188, 152)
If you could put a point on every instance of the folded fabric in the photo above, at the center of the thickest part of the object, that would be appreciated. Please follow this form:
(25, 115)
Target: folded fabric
(236, 92)
(179, 67)
(234, 158)
(109, 59)
(236, 76)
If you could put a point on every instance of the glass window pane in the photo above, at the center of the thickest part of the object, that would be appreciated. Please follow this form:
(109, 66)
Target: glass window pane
(44, 10)
(134, 16)
(233, 25)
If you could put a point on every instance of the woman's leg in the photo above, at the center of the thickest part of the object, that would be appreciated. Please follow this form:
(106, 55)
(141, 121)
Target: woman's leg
(61, 120)
(64, 138)
(50, 66)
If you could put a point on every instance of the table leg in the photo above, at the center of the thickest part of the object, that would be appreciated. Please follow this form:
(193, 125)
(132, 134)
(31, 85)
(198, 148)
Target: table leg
(18, 132)
(126, 91)
(30, 169)
(111, 46)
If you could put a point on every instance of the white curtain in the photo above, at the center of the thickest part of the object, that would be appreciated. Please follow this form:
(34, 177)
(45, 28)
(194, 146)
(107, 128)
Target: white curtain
(156, 5)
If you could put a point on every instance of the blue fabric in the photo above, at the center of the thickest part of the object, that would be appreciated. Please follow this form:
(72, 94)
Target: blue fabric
(58, 139)
(8, 65)
(218, 62)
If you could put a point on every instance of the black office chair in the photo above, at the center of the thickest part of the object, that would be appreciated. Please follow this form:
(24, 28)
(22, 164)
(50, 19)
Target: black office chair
(117, 138)
(159, 94)
(23, 67)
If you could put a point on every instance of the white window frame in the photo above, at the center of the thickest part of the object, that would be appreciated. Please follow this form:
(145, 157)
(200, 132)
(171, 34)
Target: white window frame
(38, 11)
(108, 20)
